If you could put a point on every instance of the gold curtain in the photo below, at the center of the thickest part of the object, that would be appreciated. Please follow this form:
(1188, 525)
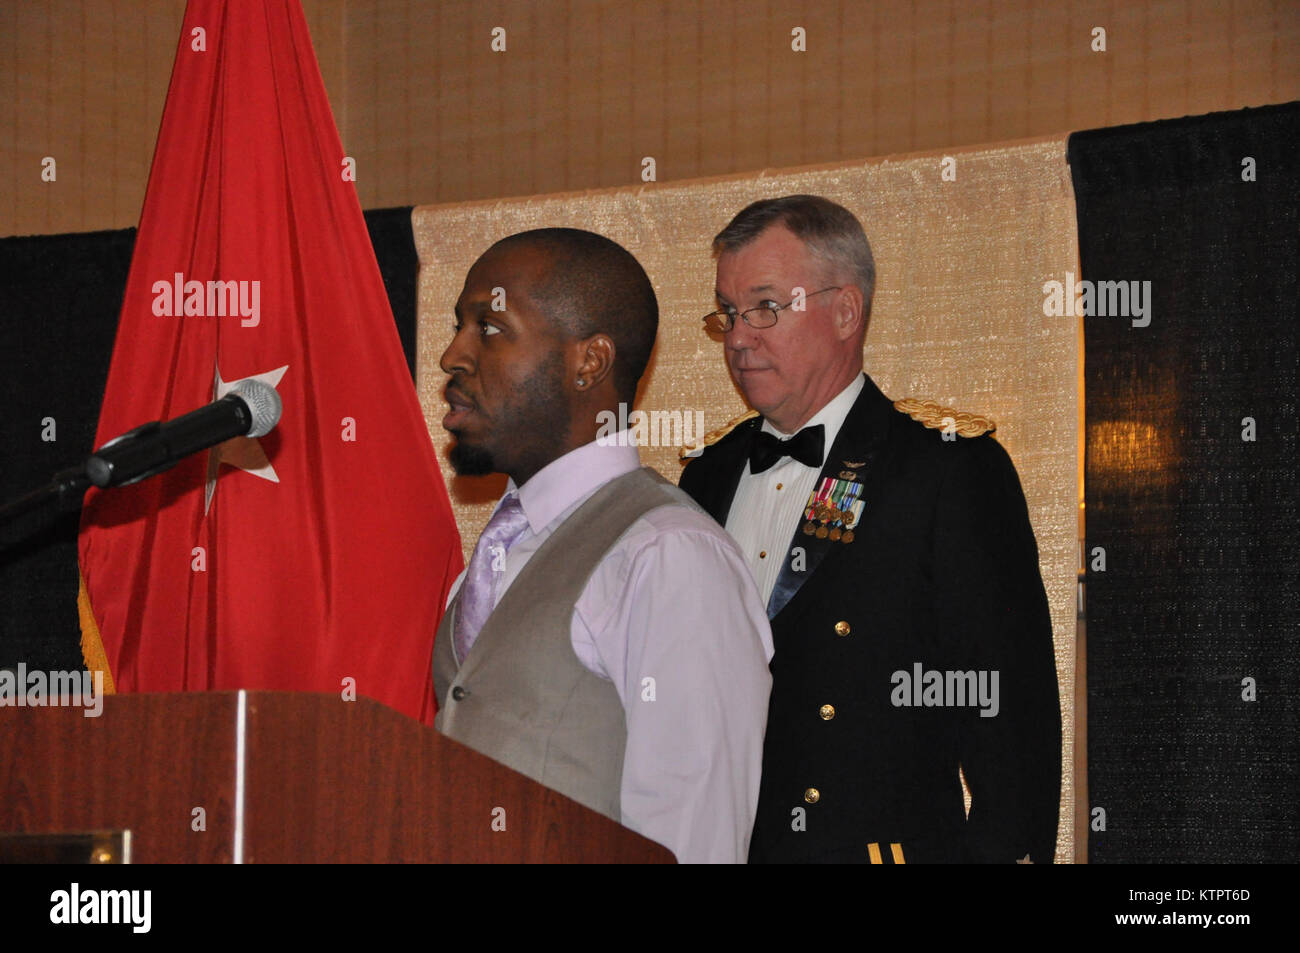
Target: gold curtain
(963, 241)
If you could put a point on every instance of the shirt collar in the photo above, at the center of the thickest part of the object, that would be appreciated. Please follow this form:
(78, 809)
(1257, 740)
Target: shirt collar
(564, 481)
(831, 416)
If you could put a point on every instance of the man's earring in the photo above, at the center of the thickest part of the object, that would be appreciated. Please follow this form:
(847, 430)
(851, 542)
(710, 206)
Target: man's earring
(581, 382)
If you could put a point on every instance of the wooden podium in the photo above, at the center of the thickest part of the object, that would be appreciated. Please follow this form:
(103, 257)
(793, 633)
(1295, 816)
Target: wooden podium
(284, 777)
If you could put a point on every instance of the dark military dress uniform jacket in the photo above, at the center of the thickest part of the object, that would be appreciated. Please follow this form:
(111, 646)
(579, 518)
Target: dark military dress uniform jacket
(940, 583)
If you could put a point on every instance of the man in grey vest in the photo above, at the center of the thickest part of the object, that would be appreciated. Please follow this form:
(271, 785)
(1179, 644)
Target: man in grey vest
(607, 638)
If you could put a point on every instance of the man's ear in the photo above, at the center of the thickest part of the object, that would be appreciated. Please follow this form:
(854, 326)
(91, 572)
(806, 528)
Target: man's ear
(847, 316)
(595, 362)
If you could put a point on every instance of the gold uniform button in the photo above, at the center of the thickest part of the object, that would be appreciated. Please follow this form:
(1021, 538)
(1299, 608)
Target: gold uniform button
(812, 795)
(842, 628)
(827, 712)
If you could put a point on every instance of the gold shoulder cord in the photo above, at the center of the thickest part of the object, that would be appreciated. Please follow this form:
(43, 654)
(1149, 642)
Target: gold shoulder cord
(713, 436)
(937, 417)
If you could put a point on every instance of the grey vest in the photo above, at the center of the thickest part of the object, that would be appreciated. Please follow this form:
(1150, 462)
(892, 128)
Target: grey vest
(522, 697)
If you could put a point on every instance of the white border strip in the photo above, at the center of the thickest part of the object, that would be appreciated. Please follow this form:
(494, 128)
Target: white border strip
(241, 725)
(126, 846)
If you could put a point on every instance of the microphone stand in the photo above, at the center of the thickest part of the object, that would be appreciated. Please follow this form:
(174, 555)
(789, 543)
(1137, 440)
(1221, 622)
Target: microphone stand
(70, 485)
(65, 489)
(154, 447)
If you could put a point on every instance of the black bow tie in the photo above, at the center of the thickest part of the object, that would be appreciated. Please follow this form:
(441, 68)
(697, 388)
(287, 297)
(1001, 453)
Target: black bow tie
(805, 446)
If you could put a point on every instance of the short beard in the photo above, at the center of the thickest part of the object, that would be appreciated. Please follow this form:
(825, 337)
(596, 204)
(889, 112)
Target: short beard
(471, 461)
(526, 436)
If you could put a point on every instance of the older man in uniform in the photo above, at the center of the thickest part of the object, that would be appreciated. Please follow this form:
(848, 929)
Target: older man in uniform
(892, 545)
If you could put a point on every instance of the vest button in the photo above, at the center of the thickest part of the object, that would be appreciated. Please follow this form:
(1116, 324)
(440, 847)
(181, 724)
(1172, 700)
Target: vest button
(827, 712)
(458, 693)
(842, 628)
(812, 795)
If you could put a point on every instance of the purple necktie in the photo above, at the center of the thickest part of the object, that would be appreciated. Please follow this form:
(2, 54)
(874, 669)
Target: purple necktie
(506, 525)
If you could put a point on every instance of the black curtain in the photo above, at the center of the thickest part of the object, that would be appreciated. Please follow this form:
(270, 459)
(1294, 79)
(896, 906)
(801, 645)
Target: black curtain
(1193, 504)
(58, 317)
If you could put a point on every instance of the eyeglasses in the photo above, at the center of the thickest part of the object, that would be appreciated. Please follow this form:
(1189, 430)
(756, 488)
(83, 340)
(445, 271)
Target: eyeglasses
(764, 316)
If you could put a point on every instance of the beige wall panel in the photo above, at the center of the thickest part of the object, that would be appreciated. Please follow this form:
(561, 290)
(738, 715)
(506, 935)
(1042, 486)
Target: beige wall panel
(958, 317)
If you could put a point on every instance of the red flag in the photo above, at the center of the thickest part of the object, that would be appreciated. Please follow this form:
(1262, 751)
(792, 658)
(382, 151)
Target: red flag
(324, 551)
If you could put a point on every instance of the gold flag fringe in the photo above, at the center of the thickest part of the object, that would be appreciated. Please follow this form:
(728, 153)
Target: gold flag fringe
(92, 648)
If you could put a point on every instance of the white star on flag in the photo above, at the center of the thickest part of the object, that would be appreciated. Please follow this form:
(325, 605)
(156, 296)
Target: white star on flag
(243, 452)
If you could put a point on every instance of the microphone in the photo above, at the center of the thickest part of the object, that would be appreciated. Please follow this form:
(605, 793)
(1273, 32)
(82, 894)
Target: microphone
(250, 409)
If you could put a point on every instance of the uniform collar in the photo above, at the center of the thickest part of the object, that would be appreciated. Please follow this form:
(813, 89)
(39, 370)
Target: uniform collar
(831, 416)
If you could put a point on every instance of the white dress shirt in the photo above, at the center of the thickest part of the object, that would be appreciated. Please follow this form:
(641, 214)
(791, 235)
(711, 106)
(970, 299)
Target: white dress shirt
(768, 506)
(672, 602)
